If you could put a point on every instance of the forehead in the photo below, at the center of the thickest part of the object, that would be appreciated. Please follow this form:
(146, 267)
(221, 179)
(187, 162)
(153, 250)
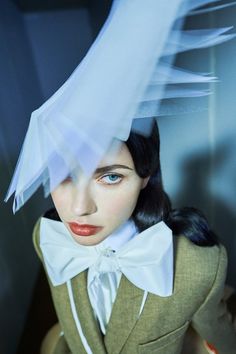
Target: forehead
(117, 154)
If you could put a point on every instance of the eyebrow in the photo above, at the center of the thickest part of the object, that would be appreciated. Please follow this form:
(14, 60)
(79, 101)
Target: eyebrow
(111, 167)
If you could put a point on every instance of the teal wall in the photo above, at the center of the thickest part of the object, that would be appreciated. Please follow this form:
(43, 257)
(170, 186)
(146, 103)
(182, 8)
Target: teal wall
(198, 149)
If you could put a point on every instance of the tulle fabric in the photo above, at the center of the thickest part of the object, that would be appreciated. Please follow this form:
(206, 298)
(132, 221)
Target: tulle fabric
(126, 74)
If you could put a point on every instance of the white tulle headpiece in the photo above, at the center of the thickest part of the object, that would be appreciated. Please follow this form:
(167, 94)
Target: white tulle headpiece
(127, 74)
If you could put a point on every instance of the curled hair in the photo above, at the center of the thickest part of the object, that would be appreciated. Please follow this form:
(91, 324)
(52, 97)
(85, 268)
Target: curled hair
(153, 204)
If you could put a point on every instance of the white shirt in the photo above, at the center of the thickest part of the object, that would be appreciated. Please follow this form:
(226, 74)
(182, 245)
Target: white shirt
(103, 288)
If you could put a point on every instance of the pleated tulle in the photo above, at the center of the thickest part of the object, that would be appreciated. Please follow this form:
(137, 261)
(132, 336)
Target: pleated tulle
(126, 74)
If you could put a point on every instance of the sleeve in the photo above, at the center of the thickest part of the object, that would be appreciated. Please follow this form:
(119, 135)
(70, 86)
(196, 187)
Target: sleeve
(212, 320)
(36, 236)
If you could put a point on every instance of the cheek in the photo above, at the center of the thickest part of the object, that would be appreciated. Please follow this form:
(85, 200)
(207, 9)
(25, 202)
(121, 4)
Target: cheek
(120, 203)
(60, 200)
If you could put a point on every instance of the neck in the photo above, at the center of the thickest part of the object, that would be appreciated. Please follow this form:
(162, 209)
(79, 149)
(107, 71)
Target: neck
(121, 235)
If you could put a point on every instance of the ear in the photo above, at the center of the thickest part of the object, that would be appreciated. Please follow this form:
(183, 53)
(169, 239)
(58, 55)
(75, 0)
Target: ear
(145, 182)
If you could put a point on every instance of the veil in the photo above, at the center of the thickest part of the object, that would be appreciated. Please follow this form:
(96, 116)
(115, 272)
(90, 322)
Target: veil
(127, 74)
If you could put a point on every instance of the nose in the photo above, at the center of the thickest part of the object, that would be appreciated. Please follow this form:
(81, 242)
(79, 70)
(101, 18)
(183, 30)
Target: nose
(83, 202)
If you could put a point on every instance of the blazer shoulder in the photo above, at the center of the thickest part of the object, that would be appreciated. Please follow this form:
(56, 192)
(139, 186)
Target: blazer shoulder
(193, 252)
(200, 264)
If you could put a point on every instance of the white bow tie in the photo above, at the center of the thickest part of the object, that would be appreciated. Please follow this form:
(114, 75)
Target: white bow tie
(146, 260)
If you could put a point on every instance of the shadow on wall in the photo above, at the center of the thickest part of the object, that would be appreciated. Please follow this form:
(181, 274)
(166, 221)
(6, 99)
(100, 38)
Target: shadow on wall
(18, 264)
(205, 186)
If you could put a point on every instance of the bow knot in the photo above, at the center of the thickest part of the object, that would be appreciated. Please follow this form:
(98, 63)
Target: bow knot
(108, 252)
(107, 261)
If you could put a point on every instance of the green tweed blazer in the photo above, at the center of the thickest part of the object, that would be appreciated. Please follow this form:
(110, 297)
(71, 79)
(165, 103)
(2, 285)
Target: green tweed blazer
(199, 277)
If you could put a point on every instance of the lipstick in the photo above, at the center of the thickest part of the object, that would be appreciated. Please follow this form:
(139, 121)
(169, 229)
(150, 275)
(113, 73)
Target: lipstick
(84, 229)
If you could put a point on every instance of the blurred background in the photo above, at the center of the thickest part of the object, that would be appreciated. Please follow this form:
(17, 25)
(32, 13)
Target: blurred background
(41, 42)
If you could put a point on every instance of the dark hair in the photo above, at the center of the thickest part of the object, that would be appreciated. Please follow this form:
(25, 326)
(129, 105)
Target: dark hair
(153, 204)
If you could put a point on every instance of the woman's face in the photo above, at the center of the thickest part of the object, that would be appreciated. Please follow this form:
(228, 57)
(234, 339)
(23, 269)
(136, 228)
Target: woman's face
(92, 208)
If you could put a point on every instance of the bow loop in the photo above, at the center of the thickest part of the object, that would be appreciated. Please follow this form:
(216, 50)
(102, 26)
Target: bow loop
(145, 259)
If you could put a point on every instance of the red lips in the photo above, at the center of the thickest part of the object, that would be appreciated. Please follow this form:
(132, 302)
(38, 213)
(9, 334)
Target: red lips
(84, 229)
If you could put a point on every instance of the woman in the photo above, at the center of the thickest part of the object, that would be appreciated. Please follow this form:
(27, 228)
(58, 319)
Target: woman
(120, 282)
(106, 308)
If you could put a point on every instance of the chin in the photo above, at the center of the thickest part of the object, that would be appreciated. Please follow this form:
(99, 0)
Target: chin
(88, 240)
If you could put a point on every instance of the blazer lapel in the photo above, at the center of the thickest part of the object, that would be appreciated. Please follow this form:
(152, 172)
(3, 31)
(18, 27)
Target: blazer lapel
(125, 313)
(88, 322)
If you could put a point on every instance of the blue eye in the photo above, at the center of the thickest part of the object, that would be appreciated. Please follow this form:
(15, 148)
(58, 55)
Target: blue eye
(111, 178)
